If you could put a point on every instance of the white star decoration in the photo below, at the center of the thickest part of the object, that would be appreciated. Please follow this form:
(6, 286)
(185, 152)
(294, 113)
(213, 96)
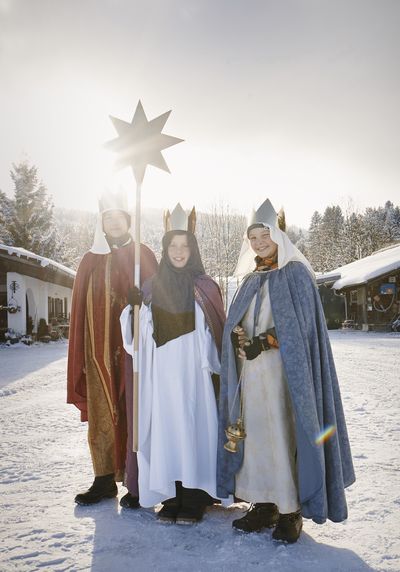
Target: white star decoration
(140, 143)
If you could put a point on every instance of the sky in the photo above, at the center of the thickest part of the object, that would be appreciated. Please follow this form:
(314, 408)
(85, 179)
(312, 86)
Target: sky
(294, 100)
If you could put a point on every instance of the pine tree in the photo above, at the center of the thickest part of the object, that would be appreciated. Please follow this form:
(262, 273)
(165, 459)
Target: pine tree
(376, 235)
(354, 237)
(314, 246)
(6, 214)
(392, 222)
(32, 225)
(332, 237)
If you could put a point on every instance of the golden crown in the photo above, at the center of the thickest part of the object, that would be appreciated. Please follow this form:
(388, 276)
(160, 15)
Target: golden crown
(179, 220)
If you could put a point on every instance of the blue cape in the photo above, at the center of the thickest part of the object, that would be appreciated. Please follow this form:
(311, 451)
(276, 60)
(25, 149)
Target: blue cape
(323, 470)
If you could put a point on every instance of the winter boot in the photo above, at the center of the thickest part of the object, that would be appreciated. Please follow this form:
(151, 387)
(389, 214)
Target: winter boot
(169, 510)
(259, 516)
(194, 504)
(129, 501)
(102, 488)
(171, 506)
(289, 527)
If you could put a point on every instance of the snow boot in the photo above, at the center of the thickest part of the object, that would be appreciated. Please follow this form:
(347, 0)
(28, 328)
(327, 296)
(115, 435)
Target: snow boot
(289, 527)
(102, 488)
(190, 514)
(171, 506)
(169, 510)
(194, 504)
(129, 501)
(259, 516)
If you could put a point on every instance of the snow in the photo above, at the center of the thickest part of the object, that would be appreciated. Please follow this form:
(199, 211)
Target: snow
(363, 270)
(11, 250)
(45, 461)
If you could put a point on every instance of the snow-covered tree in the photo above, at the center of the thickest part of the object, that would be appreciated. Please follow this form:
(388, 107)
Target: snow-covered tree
(335, 239)
(298, 237)
(152, 229)
(32, 225)
(6, 214)
(332, 237)
(220, 236)
(354, 237)
(314, 245)
(74, 237)
(376, 234)
(326, 239)
(392, 221)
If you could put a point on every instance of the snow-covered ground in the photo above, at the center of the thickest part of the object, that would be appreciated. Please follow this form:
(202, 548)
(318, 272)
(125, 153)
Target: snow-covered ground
(45, 461)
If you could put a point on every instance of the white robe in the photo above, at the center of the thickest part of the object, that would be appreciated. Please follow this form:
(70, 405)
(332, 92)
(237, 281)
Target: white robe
(178, 423)
(268, 472)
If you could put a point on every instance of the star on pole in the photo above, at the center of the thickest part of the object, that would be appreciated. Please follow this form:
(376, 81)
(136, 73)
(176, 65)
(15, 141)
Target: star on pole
(140, 142)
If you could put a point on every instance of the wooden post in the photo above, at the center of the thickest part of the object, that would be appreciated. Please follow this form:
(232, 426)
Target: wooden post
(135, 442)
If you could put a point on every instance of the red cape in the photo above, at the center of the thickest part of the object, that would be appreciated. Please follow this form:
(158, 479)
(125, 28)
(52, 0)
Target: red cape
(93, 266)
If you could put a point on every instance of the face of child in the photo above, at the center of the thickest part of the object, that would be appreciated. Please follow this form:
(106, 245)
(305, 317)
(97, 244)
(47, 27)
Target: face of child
(179, 251)
(262, 244)
(115, 223)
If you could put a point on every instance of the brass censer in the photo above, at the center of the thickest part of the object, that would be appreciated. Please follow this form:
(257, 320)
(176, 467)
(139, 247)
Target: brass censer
(235, 433)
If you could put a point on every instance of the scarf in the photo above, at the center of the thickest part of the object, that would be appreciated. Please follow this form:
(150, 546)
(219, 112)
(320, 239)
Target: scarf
(265, 263)
(173, 303)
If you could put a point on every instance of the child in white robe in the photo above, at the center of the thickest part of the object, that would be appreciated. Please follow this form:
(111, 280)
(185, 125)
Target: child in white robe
(181, 324)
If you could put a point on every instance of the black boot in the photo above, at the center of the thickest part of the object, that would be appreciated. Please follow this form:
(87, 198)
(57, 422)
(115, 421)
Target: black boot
(194, 504)
(259, 516)
(289, 527)
(171, 506)
(129, 501)
(102, 488)
(169, 510)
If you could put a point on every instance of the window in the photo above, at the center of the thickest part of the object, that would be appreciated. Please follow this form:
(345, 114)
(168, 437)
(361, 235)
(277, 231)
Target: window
(353, 296)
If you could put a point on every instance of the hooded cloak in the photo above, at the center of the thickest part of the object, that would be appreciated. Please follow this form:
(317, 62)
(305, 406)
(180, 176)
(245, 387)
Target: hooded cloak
(325, 470)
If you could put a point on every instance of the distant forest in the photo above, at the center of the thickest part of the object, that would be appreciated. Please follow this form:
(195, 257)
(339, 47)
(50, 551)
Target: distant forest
(334, 237)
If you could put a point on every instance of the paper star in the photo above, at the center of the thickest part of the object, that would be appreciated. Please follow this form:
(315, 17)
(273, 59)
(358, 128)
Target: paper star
(140, 143)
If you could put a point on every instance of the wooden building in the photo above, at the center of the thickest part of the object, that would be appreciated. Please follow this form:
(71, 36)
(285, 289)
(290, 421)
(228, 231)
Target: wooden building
(370, 288)
(32, 288)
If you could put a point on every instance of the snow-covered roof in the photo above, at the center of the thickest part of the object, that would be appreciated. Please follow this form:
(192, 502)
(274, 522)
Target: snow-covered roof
(363, 270)
(43, 261)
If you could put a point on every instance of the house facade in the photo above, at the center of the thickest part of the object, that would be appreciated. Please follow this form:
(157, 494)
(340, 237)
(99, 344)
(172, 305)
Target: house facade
(370, 288)
(32, 288)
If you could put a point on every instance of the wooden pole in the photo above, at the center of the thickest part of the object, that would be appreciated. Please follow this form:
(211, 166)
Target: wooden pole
(135, 439)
